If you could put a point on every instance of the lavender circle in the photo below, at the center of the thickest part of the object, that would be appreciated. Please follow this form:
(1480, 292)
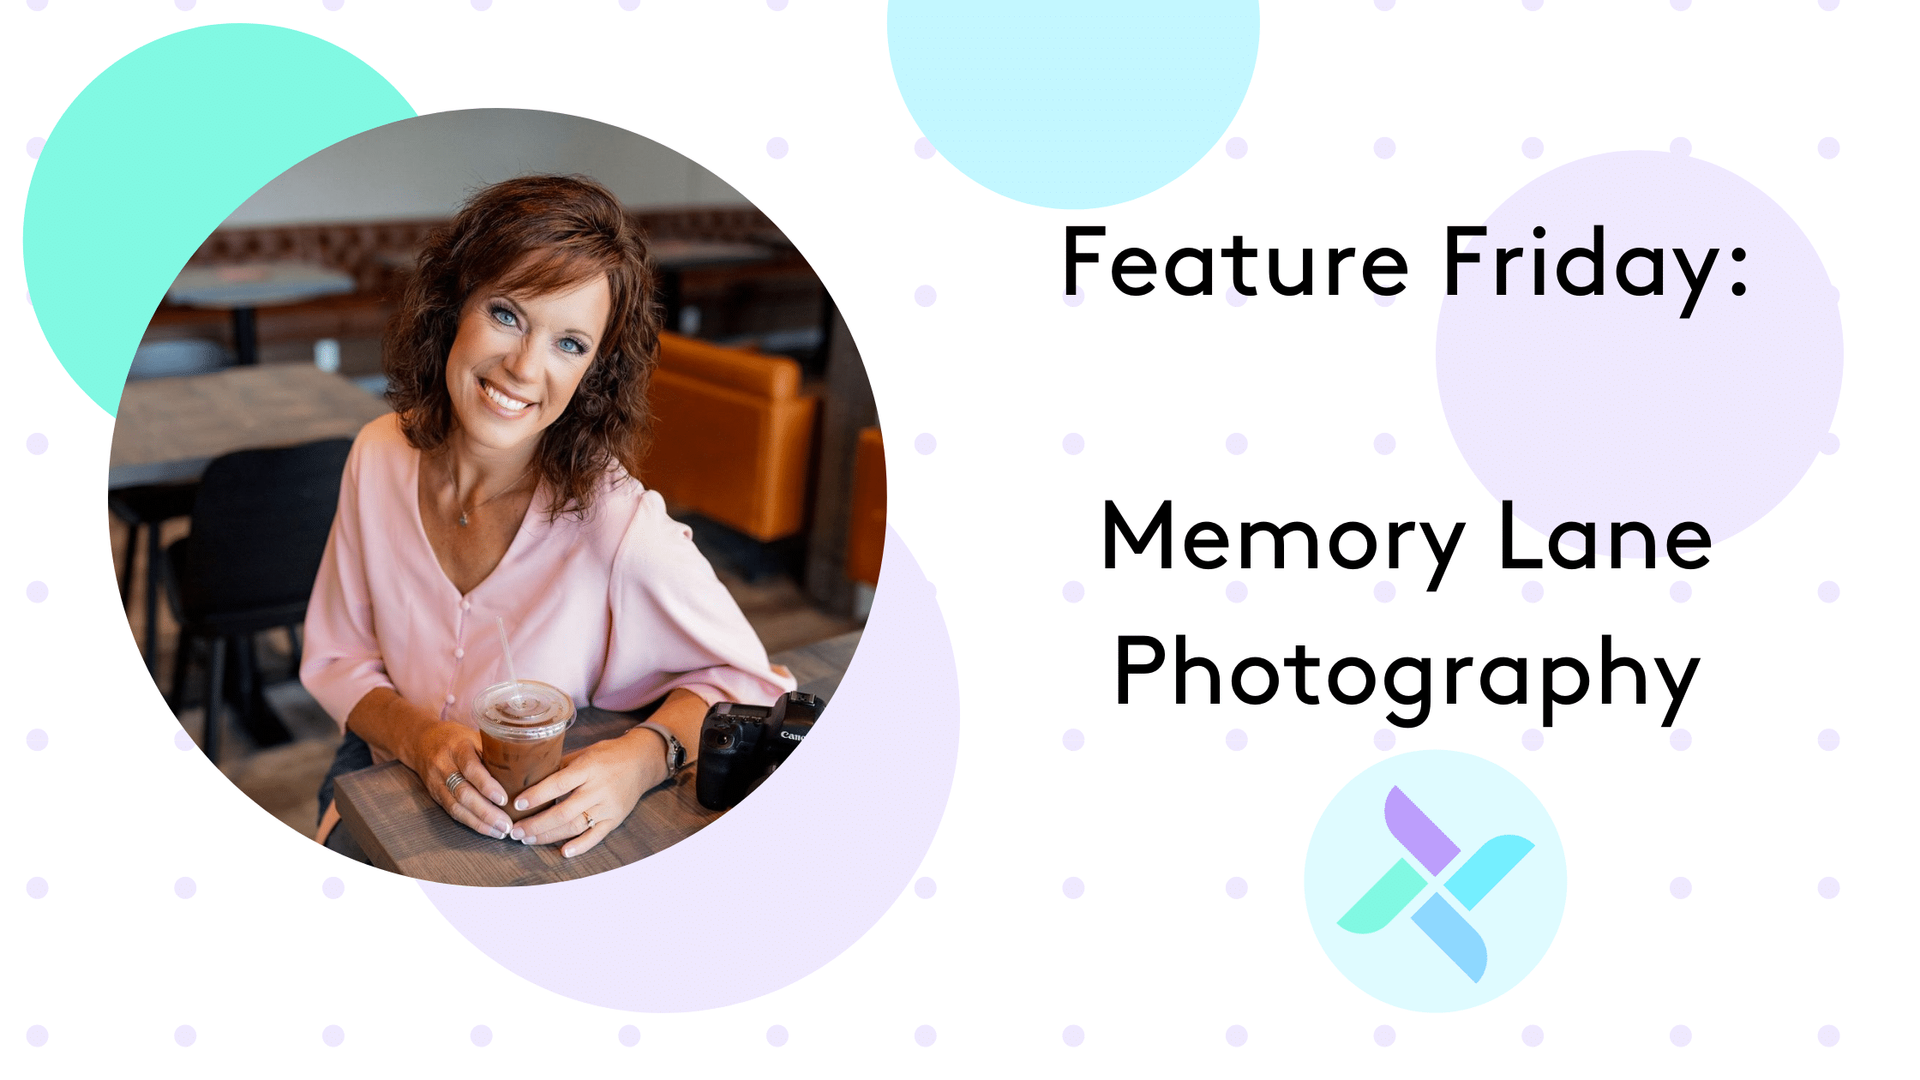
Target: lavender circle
(1236, 739)
(1383, 148)
(1383, 1035)
(1532, 591)
(1383, 301)
(1236, 148)
(1236, 444)
(1383, 443)
(1681, 147)
(1532, 739)
(37, 888)
(629, 1035)
(1383, 592)
(333, 1034)
(629, 5)
(925, 296)
(1681, 1035)
(1829, 5)
(1236, 888)
(1384, 739)
(184, 5)
(333, 888)
(1073, 592)
(36, 740)
(1236, 591)
(922, 149)
(482, 5)
(924, 888)
(924, 443)
(1680, 887)
(776, 148)
(36, 444)
(1681, 592)
(1073, 443)
(1681, 5)
(1536, 393)
(1383, 5)
(1072, 1035)
(924, 1035)
(777, 5)
(37, 591)
(481, 1035)
(35, 145)
(1829, 739)
(1829, 888)
(1680, 739)
(1073, 888)
(1829, 592)
(336, 5)
(1828, 1034)
(1073, 739)
(1074, 298)
(182, 740)
(36, 5)
(1530, 5)
(37, 1035)
(184, 1035)
(1829, 444)
(1532, 147)
(776, 1036)
(1236, 1036)
(184, 888)
(1234, 299)
(1829, 148)
(1532, 1035)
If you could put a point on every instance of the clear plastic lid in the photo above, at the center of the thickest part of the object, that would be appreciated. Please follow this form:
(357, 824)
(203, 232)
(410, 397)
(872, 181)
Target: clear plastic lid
(523, 711)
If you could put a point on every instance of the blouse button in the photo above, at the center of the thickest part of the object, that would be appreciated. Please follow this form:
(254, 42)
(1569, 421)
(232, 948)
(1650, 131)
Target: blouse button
(459, 654)
(450, 699)
(466, 605)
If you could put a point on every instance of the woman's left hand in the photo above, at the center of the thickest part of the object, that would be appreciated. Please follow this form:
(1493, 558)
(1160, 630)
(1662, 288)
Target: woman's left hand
(598, 784)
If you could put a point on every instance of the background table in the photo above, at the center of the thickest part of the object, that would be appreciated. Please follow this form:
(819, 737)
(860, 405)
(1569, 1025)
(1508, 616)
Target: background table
(246, 287)
(403, 830)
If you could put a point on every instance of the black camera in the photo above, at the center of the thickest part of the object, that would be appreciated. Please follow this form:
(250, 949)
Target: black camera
(741, 745)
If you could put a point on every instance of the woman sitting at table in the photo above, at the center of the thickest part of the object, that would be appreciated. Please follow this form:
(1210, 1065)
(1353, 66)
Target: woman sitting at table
(502, 486)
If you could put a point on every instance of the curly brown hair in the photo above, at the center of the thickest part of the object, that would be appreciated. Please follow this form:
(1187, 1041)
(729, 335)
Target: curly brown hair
(529, 237)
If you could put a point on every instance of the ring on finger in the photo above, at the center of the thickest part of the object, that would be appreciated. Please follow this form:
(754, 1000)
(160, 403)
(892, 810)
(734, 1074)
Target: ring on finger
(589, 818)
(454, 780)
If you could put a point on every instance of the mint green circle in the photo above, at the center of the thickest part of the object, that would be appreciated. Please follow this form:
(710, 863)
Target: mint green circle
(154, 154)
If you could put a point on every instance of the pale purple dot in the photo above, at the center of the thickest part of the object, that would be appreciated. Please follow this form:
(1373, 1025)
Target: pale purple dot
(1681, 147)
(37, 591)
(1825, 5)
(1532, 591)
(1680, 887)
(1234, 299)
(1829, 888)
(1680, 739)
(182, 741)
(1073, 888)
(481, 1035)
(1681, 592)
(1236, 739)
(924, 1035)
(1383, 148)
(1236, 887)
(1383, 1035)
(1829, 739)
(36, 444)
(183, 5)
(1681, 5)
(924, 296)
(1383, 301)
(629, 1035)
(1236, 444)
(1074, 298)
(1829, 444)
(333, 1034)
(336, 5)
(1531, 1034)
(333, 888)
(1073, 739)
(184, 1034)
(1383, 592)
(924, 443)
(1829, 592)
(1532, 739)
(1073, 443)
(1829, 148)
(1384, 739)
(36, 5)
(922, 149)
(1236, 148)
(1829, 1035)
(34, 146)
(1072, 1035)
(1073, 592)
(37, 1035)
(184, 888)
(924, 888)
(777, 5)
(482, 5)
(1681, 1034)
(36, 739)
(37, 887)
(1532, 147)
(629, 5)
(776, 148)
(776, 1036)
(1236, 591)
(1383, 5)
(1236, 1036)
(1383, 443)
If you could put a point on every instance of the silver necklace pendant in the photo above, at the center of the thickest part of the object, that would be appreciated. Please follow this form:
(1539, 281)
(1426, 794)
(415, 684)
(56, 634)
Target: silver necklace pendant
(463, 520)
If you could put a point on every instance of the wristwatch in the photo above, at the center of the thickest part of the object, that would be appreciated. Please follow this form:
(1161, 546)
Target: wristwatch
(676, 754)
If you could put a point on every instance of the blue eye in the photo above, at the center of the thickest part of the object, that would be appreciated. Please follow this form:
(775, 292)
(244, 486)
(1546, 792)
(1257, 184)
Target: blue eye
(572, 345)
(504, 317)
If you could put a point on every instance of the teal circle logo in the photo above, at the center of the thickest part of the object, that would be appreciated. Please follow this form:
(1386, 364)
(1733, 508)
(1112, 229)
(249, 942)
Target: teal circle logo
(1435, 881)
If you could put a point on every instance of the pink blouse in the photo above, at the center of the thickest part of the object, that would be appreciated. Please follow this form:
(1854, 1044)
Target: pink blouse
(615, 610)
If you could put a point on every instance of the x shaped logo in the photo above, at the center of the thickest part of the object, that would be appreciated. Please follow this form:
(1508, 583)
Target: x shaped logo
(1402, 884)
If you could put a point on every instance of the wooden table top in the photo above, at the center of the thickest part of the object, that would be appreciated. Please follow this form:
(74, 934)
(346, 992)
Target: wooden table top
(245, 285)
(404, 831)
(167, 430)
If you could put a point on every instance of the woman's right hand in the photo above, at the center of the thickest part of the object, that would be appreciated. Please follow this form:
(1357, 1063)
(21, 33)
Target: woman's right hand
(442, 748)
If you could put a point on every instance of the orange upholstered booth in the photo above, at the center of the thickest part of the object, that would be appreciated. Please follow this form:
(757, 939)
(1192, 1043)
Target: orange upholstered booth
(867, 514)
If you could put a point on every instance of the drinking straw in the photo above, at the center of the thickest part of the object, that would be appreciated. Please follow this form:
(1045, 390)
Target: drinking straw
(507, 652)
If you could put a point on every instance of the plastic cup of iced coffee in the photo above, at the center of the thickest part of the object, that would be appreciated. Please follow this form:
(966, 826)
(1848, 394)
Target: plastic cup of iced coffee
(523, 728)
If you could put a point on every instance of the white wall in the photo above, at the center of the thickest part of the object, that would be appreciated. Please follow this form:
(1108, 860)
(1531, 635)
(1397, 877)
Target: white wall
(425, 166)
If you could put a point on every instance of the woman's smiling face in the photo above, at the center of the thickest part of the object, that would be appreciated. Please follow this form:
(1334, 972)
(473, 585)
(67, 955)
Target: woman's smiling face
(516, 360)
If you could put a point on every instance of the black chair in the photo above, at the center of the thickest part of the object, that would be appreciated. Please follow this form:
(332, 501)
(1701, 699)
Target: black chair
(260, 526)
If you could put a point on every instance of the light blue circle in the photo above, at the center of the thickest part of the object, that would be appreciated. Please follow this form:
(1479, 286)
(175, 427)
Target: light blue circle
(1472, 801)
(1073, 104)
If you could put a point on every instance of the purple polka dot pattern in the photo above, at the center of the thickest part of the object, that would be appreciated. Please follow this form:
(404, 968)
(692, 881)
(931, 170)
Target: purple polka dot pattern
(36, 739)
(1073, 443)
(1532, 1035)
(1532, 739)
(1680, 147)
(1236, 591)
(36, 5)
(1234, 299)
(1073, 592)
(1383, 443)
(1236, 148)
(36, 444)
(776, 148)
(924, 443)
(1681, 592)
(481, 1035)
(776, 1036)
(1532, 591)
(1236, 739)
(1236, 888)
(629, 1035)
(184, 1035)
(1680, 887)
(1236, 1036)
(1073, 299)
(37, 888)
(1073, 888)
(1829, 148)
(925, 296)
(925, 888)
(1829, 592)
(1383, 148)
(1681, 1035)
(1530, 5)
(1383, 5)
(37, 1035)
(1383, 1035)
(629, 5)
(1236, 444)
(333, 1034)
(184, 5)
(776, 5)
(922, 149)
(1680, 739)
(1825, 5)
(1829, 888)
(1383, 592)
(1829, 444)
(1681, 5)
(924, 1035)
(182, 740)
(34, 146)
(1073, 739)
(333, 888)
(1072, 1035)
(1532, 147)
(482, 5)
(1384, 739)
(1829, 739)
(37, 591)
(185, 888)
(1828, 1035)
(1383, 301)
